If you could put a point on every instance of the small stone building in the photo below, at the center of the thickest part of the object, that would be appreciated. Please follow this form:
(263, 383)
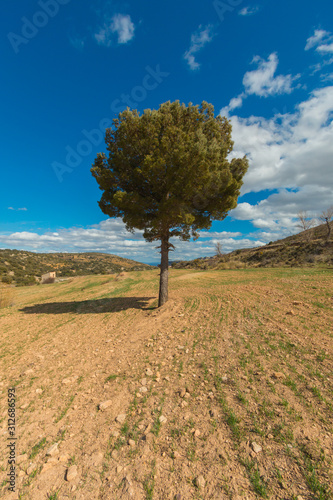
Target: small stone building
(48, 277)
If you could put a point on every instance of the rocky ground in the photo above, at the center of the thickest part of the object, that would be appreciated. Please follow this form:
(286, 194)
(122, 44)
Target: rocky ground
(224, 393)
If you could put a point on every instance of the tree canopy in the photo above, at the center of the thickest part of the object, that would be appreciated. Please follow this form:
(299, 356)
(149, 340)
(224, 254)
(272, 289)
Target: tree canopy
(167, 173)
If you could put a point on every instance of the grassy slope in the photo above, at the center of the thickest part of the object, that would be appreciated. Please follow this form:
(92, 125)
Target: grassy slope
(308, 248)
(253, 348)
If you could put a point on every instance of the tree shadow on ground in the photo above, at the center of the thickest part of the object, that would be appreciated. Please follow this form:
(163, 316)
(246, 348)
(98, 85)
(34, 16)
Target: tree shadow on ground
(114, 304)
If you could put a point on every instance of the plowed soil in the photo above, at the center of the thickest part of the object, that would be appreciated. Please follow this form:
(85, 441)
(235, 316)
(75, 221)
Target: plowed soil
(226, 392)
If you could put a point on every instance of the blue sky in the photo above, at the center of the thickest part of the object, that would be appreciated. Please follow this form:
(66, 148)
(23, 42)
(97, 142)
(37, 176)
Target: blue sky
(69, 67)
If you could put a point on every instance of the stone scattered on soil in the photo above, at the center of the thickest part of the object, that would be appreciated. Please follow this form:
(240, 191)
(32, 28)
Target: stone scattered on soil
(162, 419)
(21, 458)
(97, 459)
(70, 380)
(47, 466)
(39, 391)
(200, 482)
(143, 389)
(149, 372)
(71, 473)
(278, 375)
(131, 442)
(256, 447)
(31, 468)
(53, 450)
(224, 378)
(121, 418)
(105, 405)
(114, 454)
(144, 381)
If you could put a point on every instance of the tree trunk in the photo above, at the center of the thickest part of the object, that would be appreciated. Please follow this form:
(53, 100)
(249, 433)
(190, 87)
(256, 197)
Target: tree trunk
(163, 295)
(328, 229)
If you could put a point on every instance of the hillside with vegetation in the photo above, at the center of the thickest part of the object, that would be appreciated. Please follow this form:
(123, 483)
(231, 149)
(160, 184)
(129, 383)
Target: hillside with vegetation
(22, 268)
(308, 248)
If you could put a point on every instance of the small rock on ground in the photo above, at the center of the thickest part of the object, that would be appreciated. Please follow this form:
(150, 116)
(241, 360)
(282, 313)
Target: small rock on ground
(200, 482)
(31, 468)
(256, 447)
(121, 418)
(104, 405)
(71, 473)
(53, 450)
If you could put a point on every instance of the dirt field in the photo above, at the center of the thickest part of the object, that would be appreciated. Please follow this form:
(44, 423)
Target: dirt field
(224, 393)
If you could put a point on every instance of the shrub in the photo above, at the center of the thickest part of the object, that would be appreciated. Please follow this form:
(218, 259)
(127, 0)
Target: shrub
(48, 281)
(7, 279)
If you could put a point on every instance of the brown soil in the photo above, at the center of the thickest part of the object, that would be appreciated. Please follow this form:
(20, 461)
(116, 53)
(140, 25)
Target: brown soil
(239, 364)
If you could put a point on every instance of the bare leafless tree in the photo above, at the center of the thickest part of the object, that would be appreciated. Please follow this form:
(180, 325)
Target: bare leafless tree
(218, 249)
(326, 216)
(304, 222)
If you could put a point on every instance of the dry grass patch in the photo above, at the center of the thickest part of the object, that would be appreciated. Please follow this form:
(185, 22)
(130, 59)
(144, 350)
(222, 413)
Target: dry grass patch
(7, 295)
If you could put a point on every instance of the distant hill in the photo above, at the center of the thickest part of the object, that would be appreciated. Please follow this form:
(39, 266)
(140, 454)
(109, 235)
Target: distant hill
(308, 248)
(22, 268)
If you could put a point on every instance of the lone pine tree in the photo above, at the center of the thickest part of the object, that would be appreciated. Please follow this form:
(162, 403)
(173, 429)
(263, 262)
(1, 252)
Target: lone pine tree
(167, 173)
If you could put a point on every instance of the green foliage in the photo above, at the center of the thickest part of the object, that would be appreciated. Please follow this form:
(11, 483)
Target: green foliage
(167, 171)
(35, 449)
(7, 279)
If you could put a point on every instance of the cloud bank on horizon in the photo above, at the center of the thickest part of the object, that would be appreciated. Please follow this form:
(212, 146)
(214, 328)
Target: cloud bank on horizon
(111, 236)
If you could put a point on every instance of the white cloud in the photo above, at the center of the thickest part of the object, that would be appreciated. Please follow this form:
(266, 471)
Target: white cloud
(120, 25)
(123, 26)
(291, 152)
(322, 42)
(327, 78)
(18, 209)
(235, 102)
(248, 11)
(325, 48)
(262, 81)
(198, 41)
(284, 149)
(316, 38)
